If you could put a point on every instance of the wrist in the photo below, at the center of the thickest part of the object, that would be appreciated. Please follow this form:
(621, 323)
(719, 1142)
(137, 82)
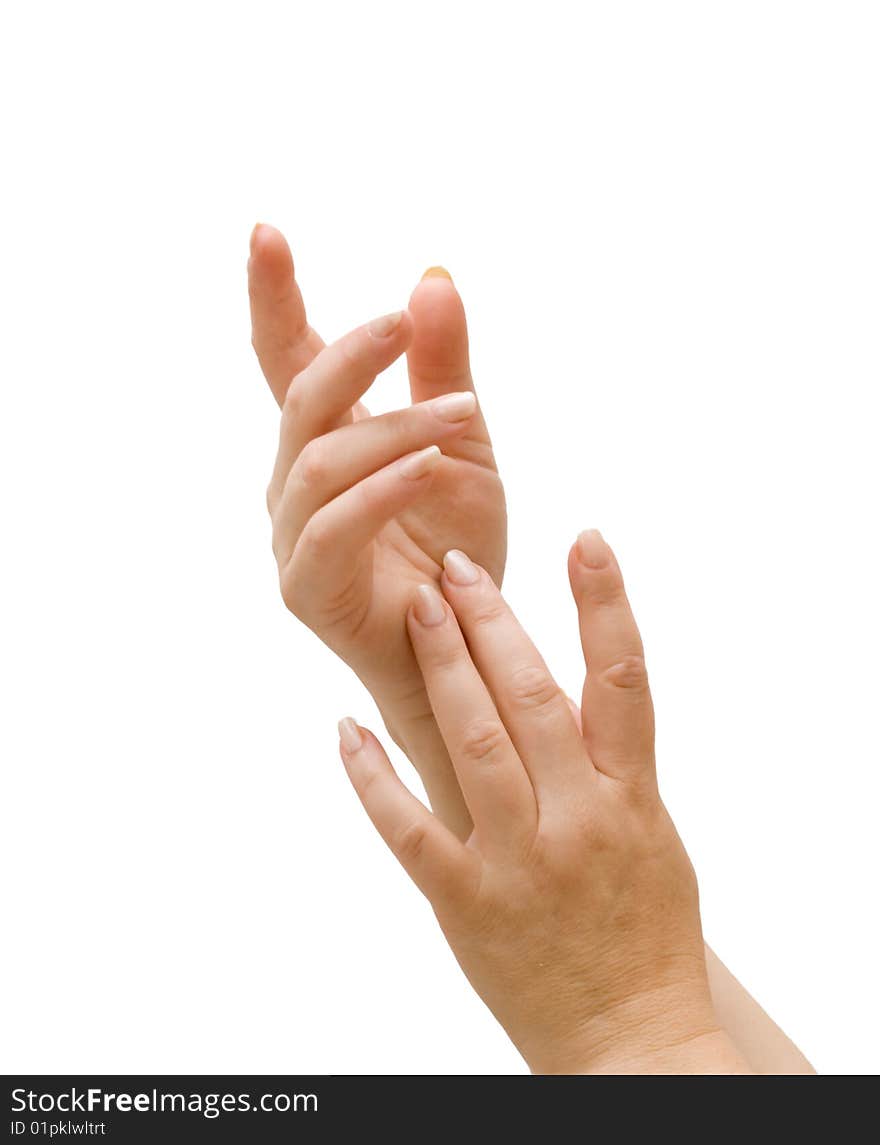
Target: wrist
(710, 1052)
(666, 1030)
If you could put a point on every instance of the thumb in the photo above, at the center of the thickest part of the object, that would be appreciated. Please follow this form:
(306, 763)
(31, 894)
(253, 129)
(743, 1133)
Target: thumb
(438, 358)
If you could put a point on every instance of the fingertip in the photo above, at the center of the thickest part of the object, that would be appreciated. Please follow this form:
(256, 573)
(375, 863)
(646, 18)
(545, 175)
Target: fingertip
(392, 331)
(421, 464)
(428, 608)
(459, 569)
(361, 752)
(436, 272)
(255, 236)
(436, 292)
(436, 279)
(351, 739)
(264, 236)
(438, 357)
(591, 563)
(455, 408)
(591, 549)
(270, 255)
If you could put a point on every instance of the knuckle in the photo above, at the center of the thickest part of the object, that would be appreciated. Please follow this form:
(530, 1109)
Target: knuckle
(276, 545)
(483, 740)
(488, 612)
(289, 593)
(367, 779)
(373, 494)
(293, 402)
(533, 688)
(317, 539)
(398, 423)
(629, 674)
(312, 465)
(409, 843)
(445, 655)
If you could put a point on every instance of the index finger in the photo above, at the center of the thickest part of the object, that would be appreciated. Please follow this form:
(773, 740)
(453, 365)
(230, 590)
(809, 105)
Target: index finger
(493, 781)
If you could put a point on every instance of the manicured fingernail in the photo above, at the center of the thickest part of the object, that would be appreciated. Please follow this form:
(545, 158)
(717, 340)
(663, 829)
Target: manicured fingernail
(419, 464)
(350, 735)
(382, 327)
(592, 550)
(454, 407)
(459, 568)
(437, 272)
(428, 606)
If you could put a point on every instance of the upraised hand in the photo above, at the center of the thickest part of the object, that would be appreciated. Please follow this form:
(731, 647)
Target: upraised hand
(363, 508)
(572, 907)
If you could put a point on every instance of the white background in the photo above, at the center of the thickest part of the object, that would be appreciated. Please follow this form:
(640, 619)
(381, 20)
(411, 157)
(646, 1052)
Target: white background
(663, 221)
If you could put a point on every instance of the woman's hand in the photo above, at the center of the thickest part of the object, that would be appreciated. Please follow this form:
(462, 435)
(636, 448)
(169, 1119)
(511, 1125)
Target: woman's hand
(572, 907)
(363, 508)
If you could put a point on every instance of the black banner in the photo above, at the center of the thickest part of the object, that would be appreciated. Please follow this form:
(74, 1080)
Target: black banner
(127, 1108)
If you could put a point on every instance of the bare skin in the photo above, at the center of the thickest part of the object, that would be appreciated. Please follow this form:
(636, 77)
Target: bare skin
(364, 509)
(352, 586)
(572, 906)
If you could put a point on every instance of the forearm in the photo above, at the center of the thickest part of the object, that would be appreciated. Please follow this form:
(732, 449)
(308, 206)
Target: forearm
(757, 1037)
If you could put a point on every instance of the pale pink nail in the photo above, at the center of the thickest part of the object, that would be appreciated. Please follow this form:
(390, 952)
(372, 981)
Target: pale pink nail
(420, 464)
(350, 736)
(459, 568)
(592, 550)
(428, 606)
(382, 327)
(454, 407)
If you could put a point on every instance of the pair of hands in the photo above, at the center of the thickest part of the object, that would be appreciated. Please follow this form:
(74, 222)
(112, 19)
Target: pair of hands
(552, 866)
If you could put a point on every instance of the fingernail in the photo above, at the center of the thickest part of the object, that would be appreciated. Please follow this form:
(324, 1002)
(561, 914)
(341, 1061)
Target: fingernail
(382, 327)
(350, 735)
(428, 607)
(437, 272)
(454, 407)
(459, 568)
(419, 464)
(592, 550)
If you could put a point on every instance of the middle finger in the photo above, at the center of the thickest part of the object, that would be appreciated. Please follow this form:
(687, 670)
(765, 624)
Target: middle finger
(533, 707)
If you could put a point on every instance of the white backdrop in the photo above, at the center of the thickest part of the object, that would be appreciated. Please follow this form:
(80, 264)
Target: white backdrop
(663, 221)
